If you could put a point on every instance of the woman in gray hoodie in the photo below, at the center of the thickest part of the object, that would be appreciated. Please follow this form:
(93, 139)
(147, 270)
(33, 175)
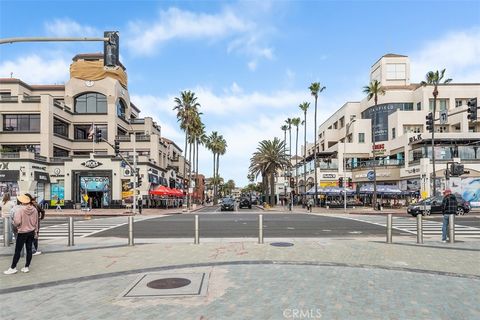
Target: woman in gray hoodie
(26, 221)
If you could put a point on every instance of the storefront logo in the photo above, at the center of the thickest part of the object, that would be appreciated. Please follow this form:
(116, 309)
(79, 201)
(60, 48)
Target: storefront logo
(328, 175)
(416, 138)
(91, 163)
(370, 175)
(4, 166)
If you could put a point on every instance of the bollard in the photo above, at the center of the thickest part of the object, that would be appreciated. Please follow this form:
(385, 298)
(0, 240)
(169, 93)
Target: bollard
(6, 232)
(130, 231)
(389, 228)
(197, 238)
(260, 228)
(70, 232)
(419, 229)
(451, 228)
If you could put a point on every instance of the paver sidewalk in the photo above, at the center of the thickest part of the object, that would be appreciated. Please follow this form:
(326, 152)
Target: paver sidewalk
(326, 278)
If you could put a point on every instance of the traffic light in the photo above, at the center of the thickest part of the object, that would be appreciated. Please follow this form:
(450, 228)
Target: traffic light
(457, 169)
(98, 135)
(472, 109)
(139, 180)
(292, 182)
(349, 183)
(340, 182)
(117, 147)
(429, 122)
(111, 49)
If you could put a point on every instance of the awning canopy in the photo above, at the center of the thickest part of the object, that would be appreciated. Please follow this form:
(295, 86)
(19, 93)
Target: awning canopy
(381, 189)
(331, 191)
(161, 191)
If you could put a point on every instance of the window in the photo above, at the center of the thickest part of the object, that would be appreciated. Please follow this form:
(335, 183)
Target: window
(58, 152)
(393, 133)
(442, 104)
(342, 122)
(361, 137)
(121, 109)
(419, 106)
(22, 147)
(82, 131)
(91, 102)
(121, 132)
(60, 127)
(396, 71)
(21, 122)
(412, 129)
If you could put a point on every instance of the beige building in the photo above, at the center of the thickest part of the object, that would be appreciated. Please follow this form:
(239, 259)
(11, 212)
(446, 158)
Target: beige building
(403, 145)
(46, 140)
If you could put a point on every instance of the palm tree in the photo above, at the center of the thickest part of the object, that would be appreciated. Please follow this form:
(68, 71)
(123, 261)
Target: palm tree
(304, 107)
(434, 78)
(230, 185)
(296, 123)
(315, 89)
(372, 91)
(221, 149)
(212, 145)
(267, 160)
(186, 105)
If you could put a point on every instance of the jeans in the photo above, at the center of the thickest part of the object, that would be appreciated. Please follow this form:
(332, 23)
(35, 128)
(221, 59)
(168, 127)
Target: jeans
(446, 219)
(27, 240)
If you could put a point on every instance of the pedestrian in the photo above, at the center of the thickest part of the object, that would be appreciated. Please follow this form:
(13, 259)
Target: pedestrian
(41, 216)
(7, 205)
(449, 206)
(139, 203)
(310, 205)
(26, 221)
(58, 207)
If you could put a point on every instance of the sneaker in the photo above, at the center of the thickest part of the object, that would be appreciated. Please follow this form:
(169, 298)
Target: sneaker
(444, 241)
(25, 269)
(10, 271)
(37, 253)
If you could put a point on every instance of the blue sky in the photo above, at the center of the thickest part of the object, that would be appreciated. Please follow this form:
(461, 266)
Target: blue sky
(249, 62)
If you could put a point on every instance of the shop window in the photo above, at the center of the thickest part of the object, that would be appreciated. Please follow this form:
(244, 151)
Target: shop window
(361, 137)
(91, 102)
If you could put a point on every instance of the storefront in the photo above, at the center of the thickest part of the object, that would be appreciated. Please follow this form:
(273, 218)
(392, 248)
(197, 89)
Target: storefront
(42, 179)
(92, 188)
(9, 182)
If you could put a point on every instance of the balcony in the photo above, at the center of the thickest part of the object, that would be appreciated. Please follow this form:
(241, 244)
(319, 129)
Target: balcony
(9, 155)
(123, 138)
(143, 137)
(5, 98)
(378, 163)
(58, 159)
(27, 99)
(137, 121)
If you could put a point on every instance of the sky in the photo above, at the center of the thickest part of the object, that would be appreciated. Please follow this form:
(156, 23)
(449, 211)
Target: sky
(250, 63)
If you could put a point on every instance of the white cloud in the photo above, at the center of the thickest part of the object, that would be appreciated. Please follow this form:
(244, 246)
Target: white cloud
(243, 35)
(35, 69)
(457, 51)
(69, 28)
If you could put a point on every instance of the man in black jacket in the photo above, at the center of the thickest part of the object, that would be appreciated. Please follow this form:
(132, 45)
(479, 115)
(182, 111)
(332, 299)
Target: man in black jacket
(449, 206)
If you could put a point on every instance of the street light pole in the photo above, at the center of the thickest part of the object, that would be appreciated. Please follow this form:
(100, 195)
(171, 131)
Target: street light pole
(136, 174)
(352, 120)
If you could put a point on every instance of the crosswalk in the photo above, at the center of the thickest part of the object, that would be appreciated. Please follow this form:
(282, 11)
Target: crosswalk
(57, 227)
(409, 225)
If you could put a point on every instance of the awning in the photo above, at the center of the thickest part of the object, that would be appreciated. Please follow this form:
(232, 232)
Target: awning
(176, 192)
(161, 191)
(381, 189)
(41, 176)
(9, 175)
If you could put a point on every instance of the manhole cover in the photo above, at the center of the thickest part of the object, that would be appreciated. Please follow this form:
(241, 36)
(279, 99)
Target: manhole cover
(281, 244)
(168, 283)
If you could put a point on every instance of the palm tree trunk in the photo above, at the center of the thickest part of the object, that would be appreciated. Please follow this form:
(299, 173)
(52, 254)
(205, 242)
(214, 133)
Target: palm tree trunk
(185, 160)
(374, 200)
(296, 163)
(196, 174)
(213, 180)
(305, 153)
(315, 152)
(189, 198)
(218, 165)
(272, 189)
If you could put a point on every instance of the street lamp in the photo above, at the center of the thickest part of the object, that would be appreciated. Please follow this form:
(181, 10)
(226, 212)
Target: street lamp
(352, 120)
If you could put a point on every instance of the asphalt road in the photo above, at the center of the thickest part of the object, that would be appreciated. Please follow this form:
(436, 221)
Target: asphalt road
(244, 223)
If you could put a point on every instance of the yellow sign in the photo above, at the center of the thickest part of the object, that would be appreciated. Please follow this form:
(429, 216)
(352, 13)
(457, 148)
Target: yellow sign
(424, 194)
(126, 194)
(85, 197)
(328, 184)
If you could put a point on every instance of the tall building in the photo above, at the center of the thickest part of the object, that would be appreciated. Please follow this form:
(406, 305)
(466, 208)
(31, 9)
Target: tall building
(402, 142)
(47, 139)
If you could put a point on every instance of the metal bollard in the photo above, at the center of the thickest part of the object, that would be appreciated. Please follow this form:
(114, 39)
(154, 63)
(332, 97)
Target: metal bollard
(389, 228)
(419, 229)
(197, 237)
(130, 231)
(70, 232)
(260, 228)
(6, 232)
(451, 228)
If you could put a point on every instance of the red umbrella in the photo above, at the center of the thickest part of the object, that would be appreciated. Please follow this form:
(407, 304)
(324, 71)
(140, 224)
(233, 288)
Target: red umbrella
(161, 191)
(177, 192)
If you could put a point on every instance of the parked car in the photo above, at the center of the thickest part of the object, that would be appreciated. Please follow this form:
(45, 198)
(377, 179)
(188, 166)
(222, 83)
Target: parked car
(433, 205)
(245, 203)
(228, 204)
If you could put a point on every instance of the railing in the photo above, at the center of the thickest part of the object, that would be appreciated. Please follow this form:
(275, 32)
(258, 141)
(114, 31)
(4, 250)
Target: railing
(41, 158)
(58, 159)
(8, 98)
(377, 163)
(10, 155)
(31, 99)
(122, 138)
(137, 121)
(143, 137)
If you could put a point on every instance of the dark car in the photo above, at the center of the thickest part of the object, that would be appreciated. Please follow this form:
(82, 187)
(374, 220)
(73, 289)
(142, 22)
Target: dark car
(434, 205)
(245, 203)
(228, 204)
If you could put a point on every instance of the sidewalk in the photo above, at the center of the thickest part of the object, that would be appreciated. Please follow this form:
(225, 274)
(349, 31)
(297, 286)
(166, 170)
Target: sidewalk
(361, 278)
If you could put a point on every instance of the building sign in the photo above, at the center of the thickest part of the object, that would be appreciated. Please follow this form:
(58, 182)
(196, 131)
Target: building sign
(153, 178)
(416, 138)
(91, 163)
(379, 149)
(413, 170)
(9, 175)
(370, 175)
(127, 191)
(41, 177)
(329, 176)
(40, 168)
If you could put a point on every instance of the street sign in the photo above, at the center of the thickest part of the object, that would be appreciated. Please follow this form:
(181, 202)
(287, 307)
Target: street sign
(443, 116)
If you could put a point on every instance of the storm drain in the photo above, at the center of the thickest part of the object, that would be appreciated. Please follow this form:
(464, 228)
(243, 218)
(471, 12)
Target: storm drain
(167, 285)
(281, 244)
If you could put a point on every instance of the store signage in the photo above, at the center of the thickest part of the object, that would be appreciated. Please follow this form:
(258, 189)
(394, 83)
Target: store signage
(153, 179)
(91, 163)
(414, 170)
(416, 138)
(40, 168)
(370, 175)
(9, 175)
(41, 177)
(329, 175)
(3, 165)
